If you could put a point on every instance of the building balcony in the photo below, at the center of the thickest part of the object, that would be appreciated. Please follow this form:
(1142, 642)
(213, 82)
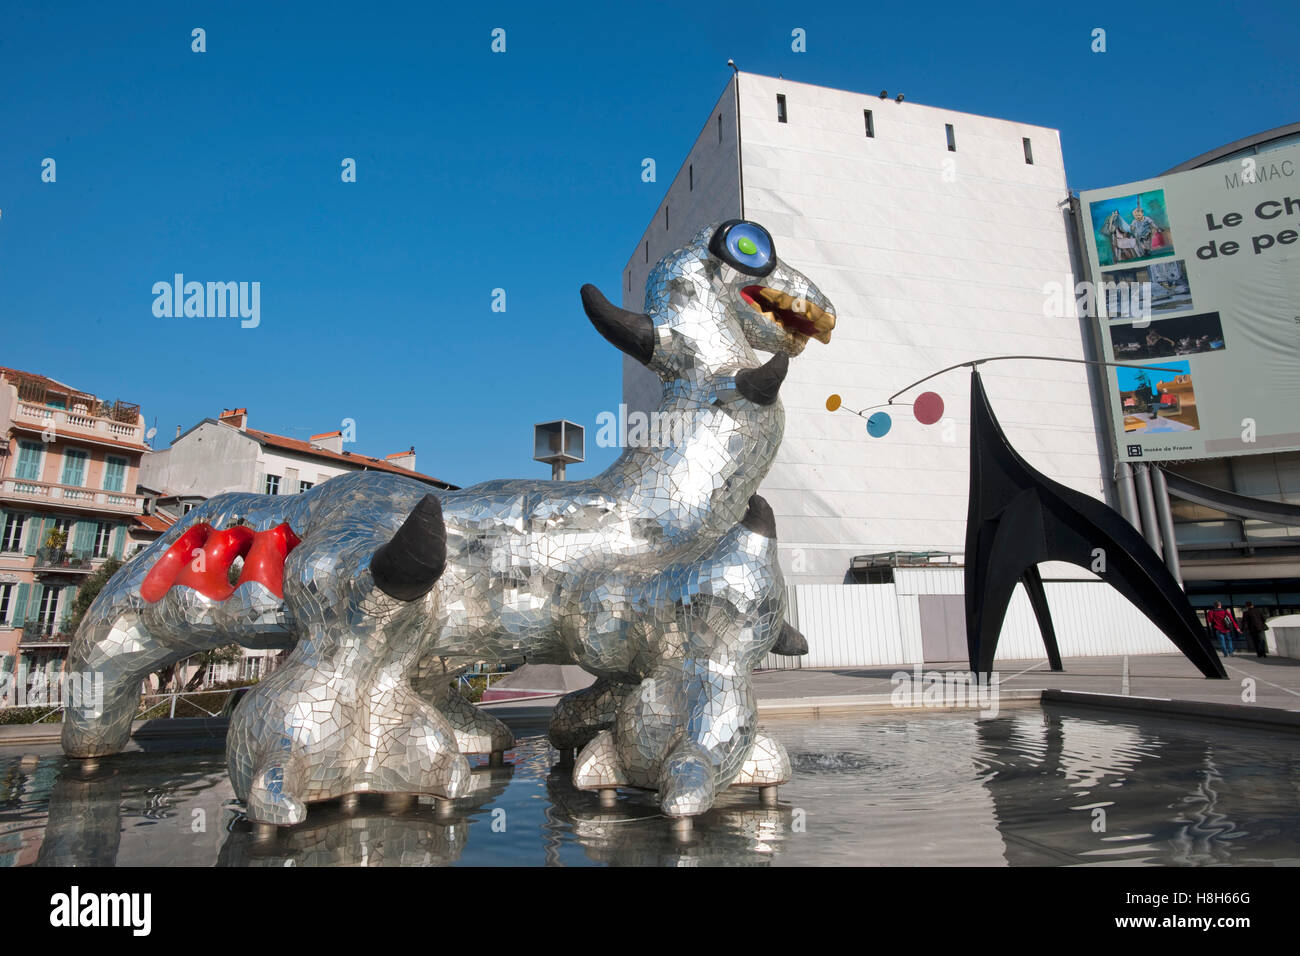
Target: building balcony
(114, 424)
(37, 636)
(70, 496)
(62, 561)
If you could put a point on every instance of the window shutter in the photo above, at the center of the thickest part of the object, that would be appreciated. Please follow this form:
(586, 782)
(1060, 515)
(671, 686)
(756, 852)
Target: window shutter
(29, 461)
(74, 468)
(259, 483)
(83, 537)
(36, 529)
(34, 606)
(18, 616)
(114, 474)
(119, 539)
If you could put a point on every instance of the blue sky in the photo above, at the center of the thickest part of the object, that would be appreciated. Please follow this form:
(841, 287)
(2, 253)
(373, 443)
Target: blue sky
(478, 171)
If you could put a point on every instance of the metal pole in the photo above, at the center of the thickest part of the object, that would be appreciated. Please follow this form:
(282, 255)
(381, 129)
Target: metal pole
(1128, 503)
(557, 471)
(1146, 504)
(1166, 519)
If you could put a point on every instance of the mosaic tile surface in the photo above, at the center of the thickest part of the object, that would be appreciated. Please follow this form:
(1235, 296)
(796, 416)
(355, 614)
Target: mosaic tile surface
(659, 576)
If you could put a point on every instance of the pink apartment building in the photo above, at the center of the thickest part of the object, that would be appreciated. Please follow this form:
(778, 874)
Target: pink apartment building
(69, 464)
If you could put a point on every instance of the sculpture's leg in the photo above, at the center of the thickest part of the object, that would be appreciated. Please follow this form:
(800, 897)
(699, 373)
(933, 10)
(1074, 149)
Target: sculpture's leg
(690, 726)
(275, 795)
(414, 746)
(114, 656)
(686, 732)
(476, 731)
(579, 716)
(1033, 582)
(722, 721)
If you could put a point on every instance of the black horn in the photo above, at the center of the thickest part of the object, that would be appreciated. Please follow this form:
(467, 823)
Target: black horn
(762, 384)
(759, 517)
(630, 332)
(409, 565)
(791, 643)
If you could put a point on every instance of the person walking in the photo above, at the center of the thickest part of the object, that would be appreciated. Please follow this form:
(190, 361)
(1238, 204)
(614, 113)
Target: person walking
(1256, 624)
(1224, 626)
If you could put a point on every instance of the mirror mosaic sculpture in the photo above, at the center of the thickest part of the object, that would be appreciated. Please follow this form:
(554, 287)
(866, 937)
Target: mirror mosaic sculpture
(659, 576)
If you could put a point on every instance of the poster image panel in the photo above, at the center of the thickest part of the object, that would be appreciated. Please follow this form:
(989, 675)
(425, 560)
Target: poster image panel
(1155, 402)
(1151, 289)
(1131, 228)
(1183, 335)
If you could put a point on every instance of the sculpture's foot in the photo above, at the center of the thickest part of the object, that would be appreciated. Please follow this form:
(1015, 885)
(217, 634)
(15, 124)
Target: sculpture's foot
(686, 784)
(273, 800)
(578, 717)
(598, 767)
(476, 731)
(767, 765)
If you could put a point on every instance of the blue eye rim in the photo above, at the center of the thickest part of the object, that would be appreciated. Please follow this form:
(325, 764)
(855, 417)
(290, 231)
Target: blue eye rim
(760, 263)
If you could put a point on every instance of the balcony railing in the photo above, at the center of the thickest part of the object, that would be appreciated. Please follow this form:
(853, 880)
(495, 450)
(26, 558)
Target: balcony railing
(48, 635)
(60, 559)
(114, 423)
(118, 502)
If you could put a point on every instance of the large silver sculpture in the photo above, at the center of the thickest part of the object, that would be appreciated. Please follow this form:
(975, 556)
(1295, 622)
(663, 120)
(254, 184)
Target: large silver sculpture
(658, 576)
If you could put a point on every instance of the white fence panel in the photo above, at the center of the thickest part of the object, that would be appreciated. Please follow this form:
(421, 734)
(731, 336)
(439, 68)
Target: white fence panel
(862, 625)
(849, 625)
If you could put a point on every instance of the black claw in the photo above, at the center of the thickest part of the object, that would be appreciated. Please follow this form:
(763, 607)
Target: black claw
(761, 385)
(411, 563)
(759, 518)
(791, 643)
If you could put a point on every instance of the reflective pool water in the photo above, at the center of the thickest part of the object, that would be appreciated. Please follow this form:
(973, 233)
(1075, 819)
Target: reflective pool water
(1031, 787)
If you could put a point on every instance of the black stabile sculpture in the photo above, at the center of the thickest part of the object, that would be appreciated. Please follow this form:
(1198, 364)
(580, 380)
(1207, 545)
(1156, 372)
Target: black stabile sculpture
(1018, 518)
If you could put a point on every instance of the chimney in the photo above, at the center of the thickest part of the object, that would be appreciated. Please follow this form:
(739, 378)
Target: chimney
(403, 459)
(238, 417)
(178, 431)
(328, 441)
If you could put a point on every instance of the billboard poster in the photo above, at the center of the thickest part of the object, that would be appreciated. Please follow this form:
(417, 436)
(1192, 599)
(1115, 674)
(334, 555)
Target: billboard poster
(1197, 276)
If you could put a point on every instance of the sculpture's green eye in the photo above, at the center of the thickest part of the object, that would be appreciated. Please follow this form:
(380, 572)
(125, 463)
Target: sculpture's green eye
(745, 246)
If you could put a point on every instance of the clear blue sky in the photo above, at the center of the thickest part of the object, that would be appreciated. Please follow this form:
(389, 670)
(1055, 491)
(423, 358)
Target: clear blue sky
(477, 171)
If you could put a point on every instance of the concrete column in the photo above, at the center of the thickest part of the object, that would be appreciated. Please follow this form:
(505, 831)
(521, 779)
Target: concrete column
(1128, 503)
(1146, 505)
(1166, 519)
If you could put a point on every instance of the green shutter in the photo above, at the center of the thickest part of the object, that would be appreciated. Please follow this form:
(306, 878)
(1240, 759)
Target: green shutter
(118, 539)
(36, 531)
(69, 601)
(83, 537)
(18, 614)
(29, 461)
(74, 467)
(114, 474)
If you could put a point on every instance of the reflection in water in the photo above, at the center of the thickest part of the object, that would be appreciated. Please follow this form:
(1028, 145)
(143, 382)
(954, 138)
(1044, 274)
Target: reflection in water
(736, 832)
(1030, 787)
(371, 835)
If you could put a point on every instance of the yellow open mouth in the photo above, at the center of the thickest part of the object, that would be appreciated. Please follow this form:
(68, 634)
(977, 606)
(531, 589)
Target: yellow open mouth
(794, 315)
